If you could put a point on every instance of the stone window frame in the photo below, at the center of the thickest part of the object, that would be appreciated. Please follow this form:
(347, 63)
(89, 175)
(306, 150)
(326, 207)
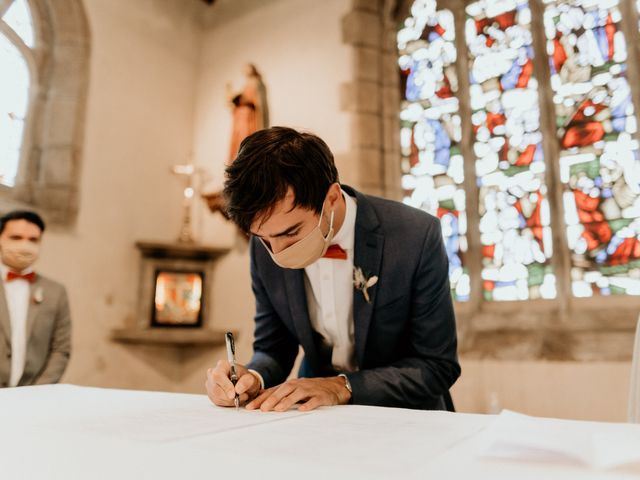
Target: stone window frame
(51, 155)
(566, 328)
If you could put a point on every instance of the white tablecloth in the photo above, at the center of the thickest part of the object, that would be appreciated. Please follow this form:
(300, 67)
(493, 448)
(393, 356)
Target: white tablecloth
(69, 432)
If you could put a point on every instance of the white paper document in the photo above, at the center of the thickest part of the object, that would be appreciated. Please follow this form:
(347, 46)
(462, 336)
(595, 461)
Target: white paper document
(139, 416)
(517, 436)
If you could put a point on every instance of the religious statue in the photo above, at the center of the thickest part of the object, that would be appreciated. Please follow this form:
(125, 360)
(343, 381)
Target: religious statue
(249, 107)
(250, 113)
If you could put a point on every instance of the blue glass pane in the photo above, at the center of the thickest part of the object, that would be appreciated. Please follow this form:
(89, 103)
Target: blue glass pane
(597, 132)
(432, 164)
(515, 229)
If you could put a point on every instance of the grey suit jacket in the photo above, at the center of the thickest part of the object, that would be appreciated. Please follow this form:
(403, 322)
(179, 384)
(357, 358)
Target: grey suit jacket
(405, 337)
(48, 334)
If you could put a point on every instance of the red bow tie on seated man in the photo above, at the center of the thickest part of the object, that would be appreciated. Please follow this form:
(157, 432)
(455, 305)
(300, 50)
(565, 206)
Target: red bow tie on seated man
(30, 277)
(335, 252)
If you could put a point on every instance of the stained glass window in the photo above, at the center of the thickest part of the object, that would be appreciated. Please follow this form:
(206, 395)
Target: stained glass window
(432, 163)
(597, 128)
(14, 90)
(598, 153)
(515, 230)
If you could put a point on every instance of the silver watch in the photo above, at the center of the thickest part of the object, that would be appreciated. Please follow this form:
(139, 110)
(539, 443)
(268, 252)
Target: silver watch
(347, 383)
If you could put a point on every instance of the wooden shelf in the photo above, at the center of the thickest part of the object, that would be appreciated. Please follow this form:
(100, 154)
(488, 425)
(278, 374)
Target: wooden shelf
(180, 250)
(169, 336)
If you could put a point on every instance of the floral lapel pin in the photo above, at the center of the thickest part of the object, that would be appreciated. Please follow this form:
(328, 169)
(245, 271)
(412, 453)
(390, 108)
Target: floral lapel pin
(38, 295)
(363, 283)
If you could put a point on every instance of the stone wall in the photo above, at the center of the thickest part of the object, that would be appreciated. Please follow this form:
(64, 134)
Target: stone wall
(372, 97)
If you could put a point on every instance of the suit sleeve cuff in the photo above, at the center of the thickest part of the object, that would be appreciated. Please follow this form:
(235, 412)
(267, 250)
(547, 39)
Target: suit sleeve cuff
(258, 376)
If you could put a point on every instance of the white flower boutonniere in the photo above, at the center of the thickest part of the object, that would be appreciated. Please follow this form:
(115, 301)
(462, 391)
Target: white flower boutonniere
(363, 283)
(38, 295)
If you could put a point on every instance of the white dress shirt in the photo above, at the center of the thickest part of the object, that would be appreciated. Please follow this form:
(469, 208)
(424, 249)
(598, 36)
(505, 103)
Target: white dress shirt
(329, 289)
(17, 293)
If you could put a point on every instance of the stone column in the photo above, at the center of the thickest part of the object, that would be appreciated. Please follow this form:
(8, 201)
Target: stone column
(372, 99)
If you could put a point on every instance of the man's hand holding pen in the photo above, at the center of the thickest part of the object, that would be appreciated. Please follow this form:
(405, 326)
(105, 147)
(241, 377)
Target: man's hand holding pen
(230, 384)
(221, 390)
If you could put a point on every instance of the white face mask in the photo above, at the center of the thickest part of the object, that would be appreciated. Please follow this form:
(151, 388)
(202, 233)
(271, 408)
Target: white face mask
(19, 254)
(305, 251)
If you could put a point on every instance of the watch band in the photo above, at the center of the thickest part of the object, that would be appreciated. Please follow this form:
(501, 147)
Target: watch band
(347, 383)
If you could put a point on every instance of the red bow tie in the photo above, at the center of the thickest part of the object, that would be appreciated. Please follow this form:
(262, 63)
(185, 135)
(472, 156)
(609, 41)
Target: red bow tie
(29, 277)
(335, 252)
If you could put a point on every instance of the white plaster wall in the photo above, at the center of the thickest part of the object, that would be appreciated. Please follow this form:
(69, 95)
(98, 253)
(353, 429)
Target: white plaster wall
(576, 390)
(297, 46)
(139, 122)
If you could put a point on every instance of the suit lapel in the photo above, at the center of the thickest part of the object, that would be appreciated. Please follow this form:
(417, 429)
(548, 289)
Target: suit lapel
(34, 307)
(297, 300)
(5, 321)
(368, 247)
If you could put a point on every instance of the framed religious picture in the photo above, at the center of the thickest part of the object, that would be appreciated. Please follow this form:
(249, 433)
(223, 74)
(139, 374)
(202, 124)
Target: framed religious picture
(178, 298)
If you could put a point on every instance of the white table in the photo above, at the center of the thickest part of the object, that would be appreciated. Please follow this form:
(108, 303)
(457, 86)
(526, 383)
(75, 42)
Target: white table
(70, 432)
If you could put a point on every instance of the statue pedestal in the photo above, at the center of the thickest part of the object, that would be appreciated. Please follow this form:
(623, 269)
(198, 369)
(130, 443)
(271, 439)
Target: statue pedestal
(215, 202)
(174, 338)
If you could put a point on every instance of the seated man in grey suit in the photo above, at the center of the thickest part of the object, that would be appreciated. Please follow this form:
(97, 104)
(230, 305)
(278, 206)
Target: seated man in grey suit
(361, 283)
(35, 325)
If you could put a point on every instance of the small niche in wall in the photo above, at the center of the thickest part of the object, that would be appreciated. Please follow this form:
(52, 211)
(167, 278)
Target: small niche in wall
(174, 296)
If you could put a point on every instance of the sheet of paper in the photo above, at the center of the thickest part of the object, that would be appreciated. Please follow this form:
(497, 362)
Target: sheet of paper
(136, 415)
(169, 432)
(351, 437)
(517, 436)
(615, 449)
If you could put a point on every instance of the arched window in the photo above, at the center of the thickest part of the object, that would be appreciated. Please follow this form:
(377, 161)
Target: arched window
(17, 38)
(44, 60)
(545, 184)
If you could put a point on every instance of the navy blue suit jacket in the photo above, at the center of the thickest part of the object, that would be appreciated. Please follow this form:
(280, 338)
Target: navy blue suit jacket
(405, 337)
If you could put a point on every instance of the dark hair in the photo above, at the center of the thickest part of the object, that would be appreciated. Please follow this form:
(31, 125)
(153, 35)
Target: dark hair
(270, 161)
(31, 217)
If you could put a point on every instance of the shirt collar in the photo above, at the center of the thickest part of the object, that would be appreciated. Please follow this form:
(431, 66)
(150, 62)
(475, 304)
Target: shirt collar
(345, 237)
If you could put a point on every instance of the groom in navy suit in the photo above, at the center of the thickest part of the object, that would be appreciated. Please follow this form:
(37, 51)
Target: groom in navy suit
(360, 282)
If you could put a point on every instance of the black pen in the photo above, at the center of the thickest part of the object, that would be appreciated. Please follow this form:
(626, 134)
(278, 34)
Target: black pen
(231, 357)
